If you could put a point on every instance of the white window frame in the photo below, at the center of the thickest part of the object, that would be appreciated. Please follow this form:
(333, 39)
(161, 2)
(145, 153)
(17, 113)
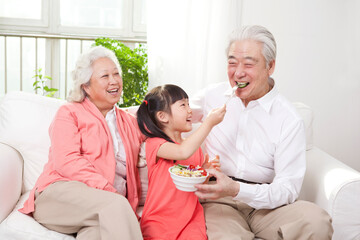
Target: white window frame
(126, 32)
(49, 27)
(28, 25)
(138, 27)
(50, 23)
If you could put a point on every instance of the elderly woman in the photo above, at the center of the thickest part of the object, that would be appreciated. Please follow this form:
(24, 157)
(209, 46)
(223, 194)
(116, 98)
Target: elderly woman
(90, 185)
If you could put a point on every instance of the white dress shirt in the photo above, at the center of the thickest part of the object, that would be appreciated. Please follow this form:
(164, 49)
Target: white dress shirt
(120, 154)
(263, 142)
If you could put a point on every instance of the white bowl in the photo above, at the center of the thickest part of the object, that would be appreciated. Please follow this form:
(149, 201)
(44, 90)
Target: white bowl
(186, 184)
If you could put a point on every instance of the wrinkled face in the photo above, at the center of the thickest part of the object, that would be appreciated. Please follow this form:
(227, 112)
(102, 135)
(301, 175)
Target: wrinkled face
(247, 68)
(105, 86)
(180, 118)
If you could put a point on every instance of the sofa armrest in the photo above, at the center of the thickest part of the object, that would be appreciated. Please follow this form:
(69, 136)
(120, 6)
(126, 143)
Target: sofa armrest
(335, 187)
(11, 165)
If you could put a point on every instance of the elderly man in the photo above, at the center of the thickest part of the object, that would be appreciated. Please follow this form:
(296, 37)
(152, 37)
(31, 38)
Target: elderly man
(261, 144)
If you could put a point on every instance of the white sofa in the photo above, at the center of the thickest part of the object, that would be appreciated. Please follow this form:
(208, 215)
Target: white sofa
(24, 143)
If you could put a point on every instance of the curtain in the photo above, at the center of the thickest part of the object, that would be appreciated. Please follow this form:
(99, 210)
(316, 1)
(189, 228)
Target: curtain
(187, 40)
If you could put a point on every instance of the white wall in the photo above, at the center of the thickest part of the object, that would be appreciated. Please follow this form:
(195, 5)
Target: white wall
(318, 63)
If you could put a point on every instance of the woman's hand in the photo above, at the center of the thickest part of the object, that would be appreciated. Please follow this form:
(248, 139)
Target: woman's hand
(216, 115)
(212, 164)
(223, 187)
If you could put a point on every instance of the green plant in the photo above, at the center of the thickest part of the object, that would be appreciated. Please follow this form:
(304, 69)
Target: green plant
(39, 84)
(134, 66)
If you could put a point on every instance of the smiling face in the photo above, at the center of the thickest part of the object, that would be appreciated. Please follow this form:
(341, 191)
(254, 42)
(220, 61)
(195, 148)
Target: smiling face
(105, 85)
(180, 118)
(247, 69)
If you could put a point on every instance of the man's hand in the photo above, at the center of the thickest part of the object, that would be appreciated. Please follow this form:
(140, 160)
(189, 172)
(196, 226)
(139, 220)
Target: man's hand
(224, 186)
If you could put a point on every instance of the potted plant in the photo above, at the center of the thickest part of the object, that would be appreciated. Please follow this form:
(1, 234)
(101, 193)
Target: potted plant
(40, 86)
(134, 66)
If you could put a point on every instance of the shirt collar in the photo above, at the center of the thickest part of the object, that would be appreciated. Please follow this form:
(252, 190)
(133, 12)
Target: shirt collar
(265, 101)
(111, 114)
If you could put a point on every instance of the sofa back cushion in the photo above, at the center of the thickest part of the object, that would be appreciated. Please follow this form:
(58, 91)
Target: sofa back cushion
(24, 122)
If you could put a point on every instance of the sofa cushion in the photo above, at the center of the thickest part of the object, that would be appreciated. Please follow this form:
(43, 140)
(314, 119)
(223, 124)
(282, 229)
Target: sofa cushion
(24, 123)
(10, 179)
(143, 172)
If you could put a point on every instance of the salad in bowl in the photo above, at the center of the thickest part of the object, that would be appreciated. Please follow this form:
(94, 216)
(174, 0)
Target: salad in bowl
(186, 176)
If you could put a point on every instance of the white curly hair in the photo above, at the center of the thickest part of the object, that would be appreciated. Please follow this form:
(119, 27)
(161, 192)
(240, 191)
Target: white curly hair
(83, 70)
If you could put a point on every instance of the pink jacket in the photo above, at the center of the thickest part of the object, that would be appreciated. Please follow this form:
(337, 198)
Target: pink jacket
(82, 150)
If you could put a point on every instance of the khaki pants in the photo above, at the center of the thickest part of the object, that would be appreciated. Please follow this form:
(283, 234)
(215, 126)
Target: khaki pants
(73, 207)
(230, 220)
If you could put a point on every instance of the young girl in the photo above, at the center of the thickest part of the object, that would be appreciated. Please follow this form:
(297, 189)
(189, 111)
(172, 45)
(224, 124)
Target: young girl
(168, 212)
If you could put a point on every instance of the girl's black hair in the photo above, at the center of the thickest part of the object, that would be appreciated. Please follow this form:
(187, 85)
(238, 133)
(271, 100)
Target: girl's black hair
(158, 99)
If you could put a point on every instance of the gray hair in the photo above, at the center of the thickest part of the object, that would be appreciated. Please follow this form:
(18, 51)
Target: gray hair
(259, 34)
(83, 70)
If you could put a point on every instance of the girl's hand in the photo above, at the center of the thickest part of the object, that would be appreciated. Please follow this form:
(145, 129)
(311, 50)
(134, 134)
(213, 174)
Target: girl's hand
(216, 115)
(213, 164)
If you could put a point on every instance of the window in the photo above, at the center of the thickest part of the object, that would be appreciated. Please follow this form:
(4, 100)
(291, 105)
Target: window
(10, 9)
(24, 15)
(140, 16)
(92, 13)
(119, 18)
(50, 34)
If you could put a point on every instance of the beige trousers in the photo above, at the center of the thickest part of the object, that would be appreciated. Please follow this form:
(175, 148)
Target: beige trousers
(230, 220)
(73, 207)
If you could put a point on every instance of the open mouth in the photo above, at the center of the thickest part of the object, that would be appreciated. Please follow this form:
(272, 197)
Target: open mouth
(242, 84)
(113, 91)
